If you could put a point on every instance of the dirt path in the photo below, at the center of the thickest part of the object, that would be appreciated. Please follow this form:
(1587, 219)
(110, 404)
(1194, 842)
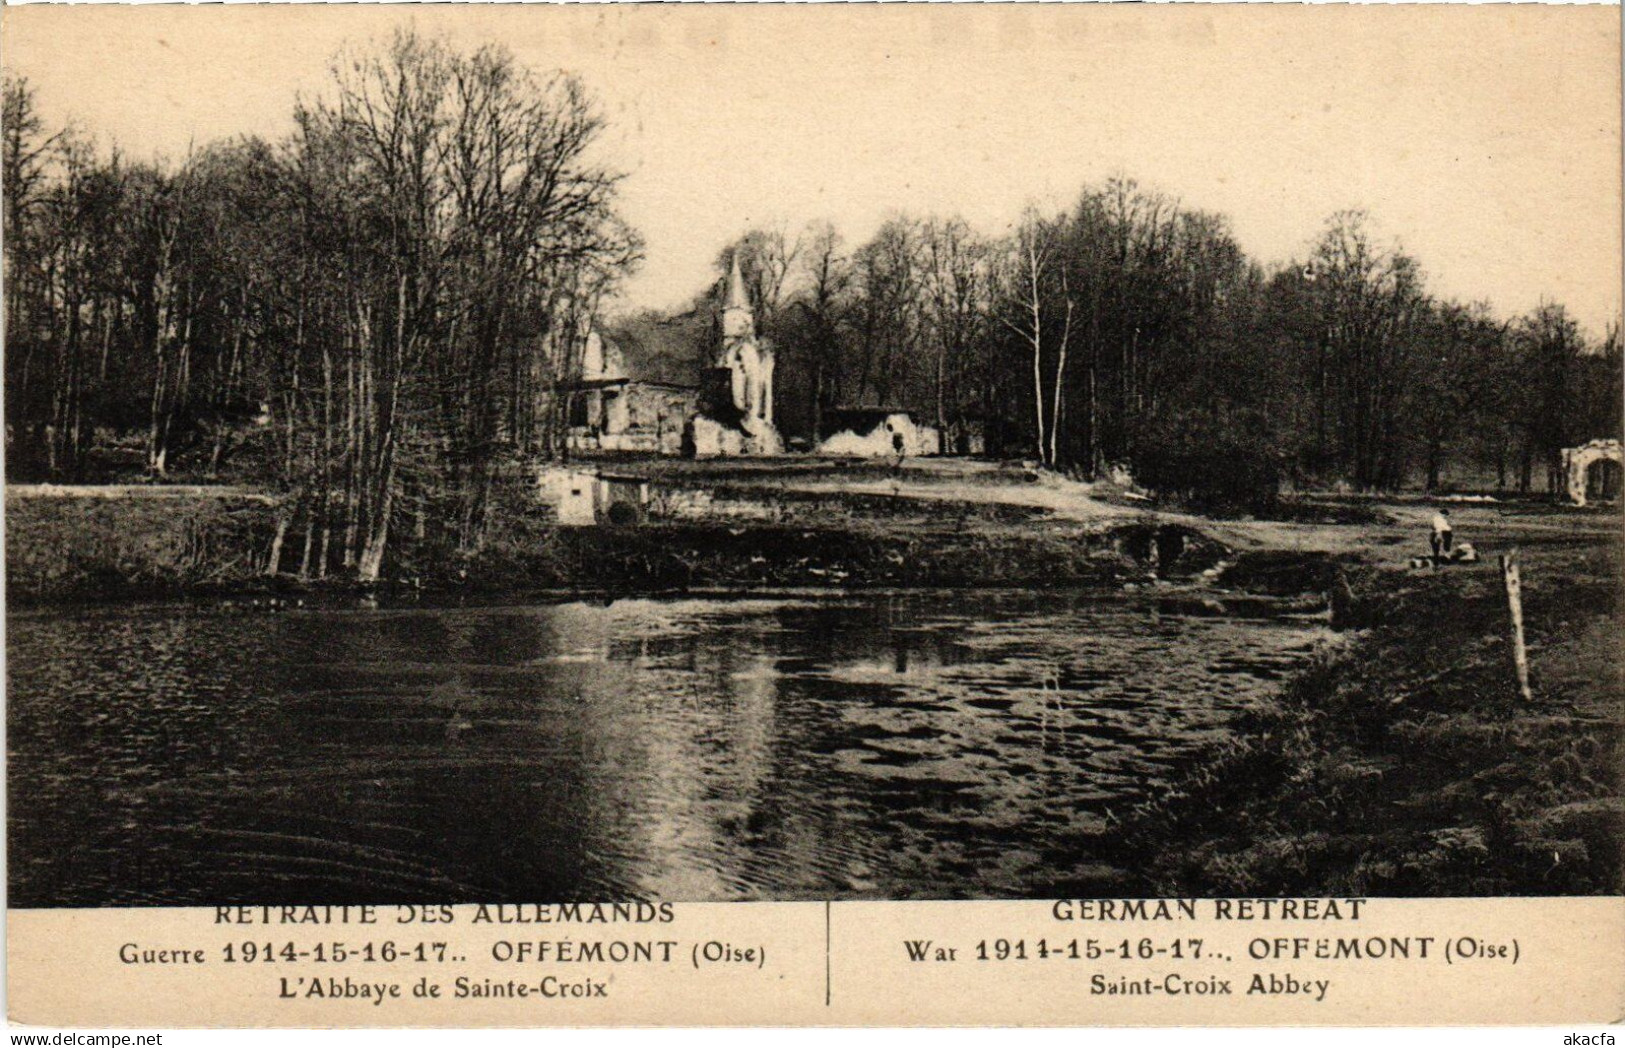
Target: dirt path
(1065, 499)
(1489, 525)
(124, 491)
(1075, 501)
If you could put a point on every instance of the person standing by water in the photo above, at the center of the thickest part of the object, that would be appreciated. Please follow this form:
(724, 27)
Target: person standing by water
(1442, 534)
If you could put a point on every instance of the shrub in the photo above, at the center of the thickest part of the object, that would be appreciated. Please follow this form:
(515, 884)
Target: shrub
(1223, 466)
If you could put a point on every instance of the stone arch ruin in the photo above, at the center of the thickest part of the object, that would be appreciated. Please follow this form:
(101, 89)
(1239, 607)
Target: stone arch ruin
(1577, 463)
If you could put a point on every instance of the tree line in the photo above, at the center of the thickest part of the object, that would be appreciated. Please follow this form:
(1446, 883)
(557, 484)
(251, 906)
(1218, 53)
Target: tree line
(373, 316)
(1129, 332)
(370, 315)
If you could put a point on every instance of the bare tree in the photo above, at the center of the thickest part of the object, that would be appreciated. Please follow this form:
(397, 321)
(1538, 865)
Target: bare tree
(828, 280)
(956, 289)
(1031, 264)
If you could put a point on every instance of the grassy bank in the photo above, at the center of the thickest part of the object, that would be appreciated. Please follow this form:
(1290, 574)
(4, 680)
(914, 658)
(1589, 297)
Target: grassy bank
(67, 547)
(793, 539)
(143, 546)
(1404, 762)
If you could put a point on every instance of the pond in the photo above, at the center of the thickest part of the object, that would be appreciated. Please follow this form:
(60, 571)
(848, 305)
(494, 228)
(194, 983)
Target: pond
(928, 745)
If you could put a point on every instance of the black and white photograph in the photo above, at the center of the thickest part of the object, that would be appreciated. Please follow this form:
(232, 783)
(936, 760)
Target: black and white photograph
(636, 456)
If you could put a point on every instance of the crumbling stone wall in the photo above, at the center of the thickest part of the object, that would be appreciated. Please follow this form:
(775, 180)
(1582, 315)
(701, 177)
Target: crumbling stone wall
(1577, 463)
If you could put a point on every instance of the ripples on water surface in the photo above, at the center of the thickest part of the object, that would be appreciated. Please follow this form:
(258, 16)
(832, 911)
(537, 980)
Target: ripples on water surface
(929, 745)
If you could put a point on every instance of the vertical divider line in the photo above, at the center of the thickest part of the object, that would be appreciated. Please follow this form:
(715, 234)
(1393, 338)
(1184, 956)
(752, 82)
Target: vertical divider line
(826, 953)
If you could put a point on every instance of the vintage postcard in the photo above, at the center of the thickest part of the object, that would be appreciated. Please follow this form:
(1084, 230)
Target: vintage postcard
(812, 515)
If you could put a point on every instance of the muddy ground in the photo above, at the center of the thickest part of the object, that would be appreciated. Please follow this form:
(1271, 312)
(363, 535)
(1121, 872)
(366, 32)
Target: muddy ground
(1405, 761)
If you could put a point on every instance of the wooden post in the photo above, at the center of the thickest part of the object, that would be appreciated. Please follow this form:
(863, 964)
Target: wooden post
(1520, 657)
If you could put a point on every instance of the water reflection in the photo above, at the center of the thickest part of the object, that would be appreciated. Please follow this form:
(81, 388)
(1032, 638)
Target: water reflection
(933, 745)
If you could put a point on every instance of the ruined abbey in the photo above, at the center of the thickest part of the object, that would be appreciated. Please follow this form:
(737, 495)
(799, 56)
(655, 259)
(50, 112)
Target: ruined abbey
(736, 408)
(727, 409)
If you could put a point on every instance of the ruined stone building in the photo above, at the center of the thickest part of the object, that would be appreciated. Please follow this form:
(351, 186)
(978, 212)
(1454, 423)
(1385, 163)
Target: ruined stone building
(655, 403)
(611, 410)
(736, 410)
(876, 433)
(1592, 471)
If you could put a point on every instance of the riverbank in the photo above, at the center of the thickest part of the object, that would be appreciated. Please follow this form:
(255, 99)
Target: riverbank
(1404, 762)
(186, 543)
(129, 543)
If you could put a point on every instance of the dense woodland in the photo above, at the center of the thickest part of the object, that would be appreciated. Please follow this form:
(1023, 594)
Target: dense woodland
(372, 316)
(1130, 332)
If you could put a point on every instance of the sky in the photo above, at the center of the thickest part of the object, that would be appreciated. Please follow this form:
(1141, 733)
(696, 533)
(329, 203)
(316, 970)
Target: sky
(1486, 139)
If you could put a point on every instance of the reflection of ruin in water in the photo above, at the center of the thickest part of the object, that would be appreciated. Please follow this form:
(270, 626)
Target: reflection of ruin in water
(936, 744)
